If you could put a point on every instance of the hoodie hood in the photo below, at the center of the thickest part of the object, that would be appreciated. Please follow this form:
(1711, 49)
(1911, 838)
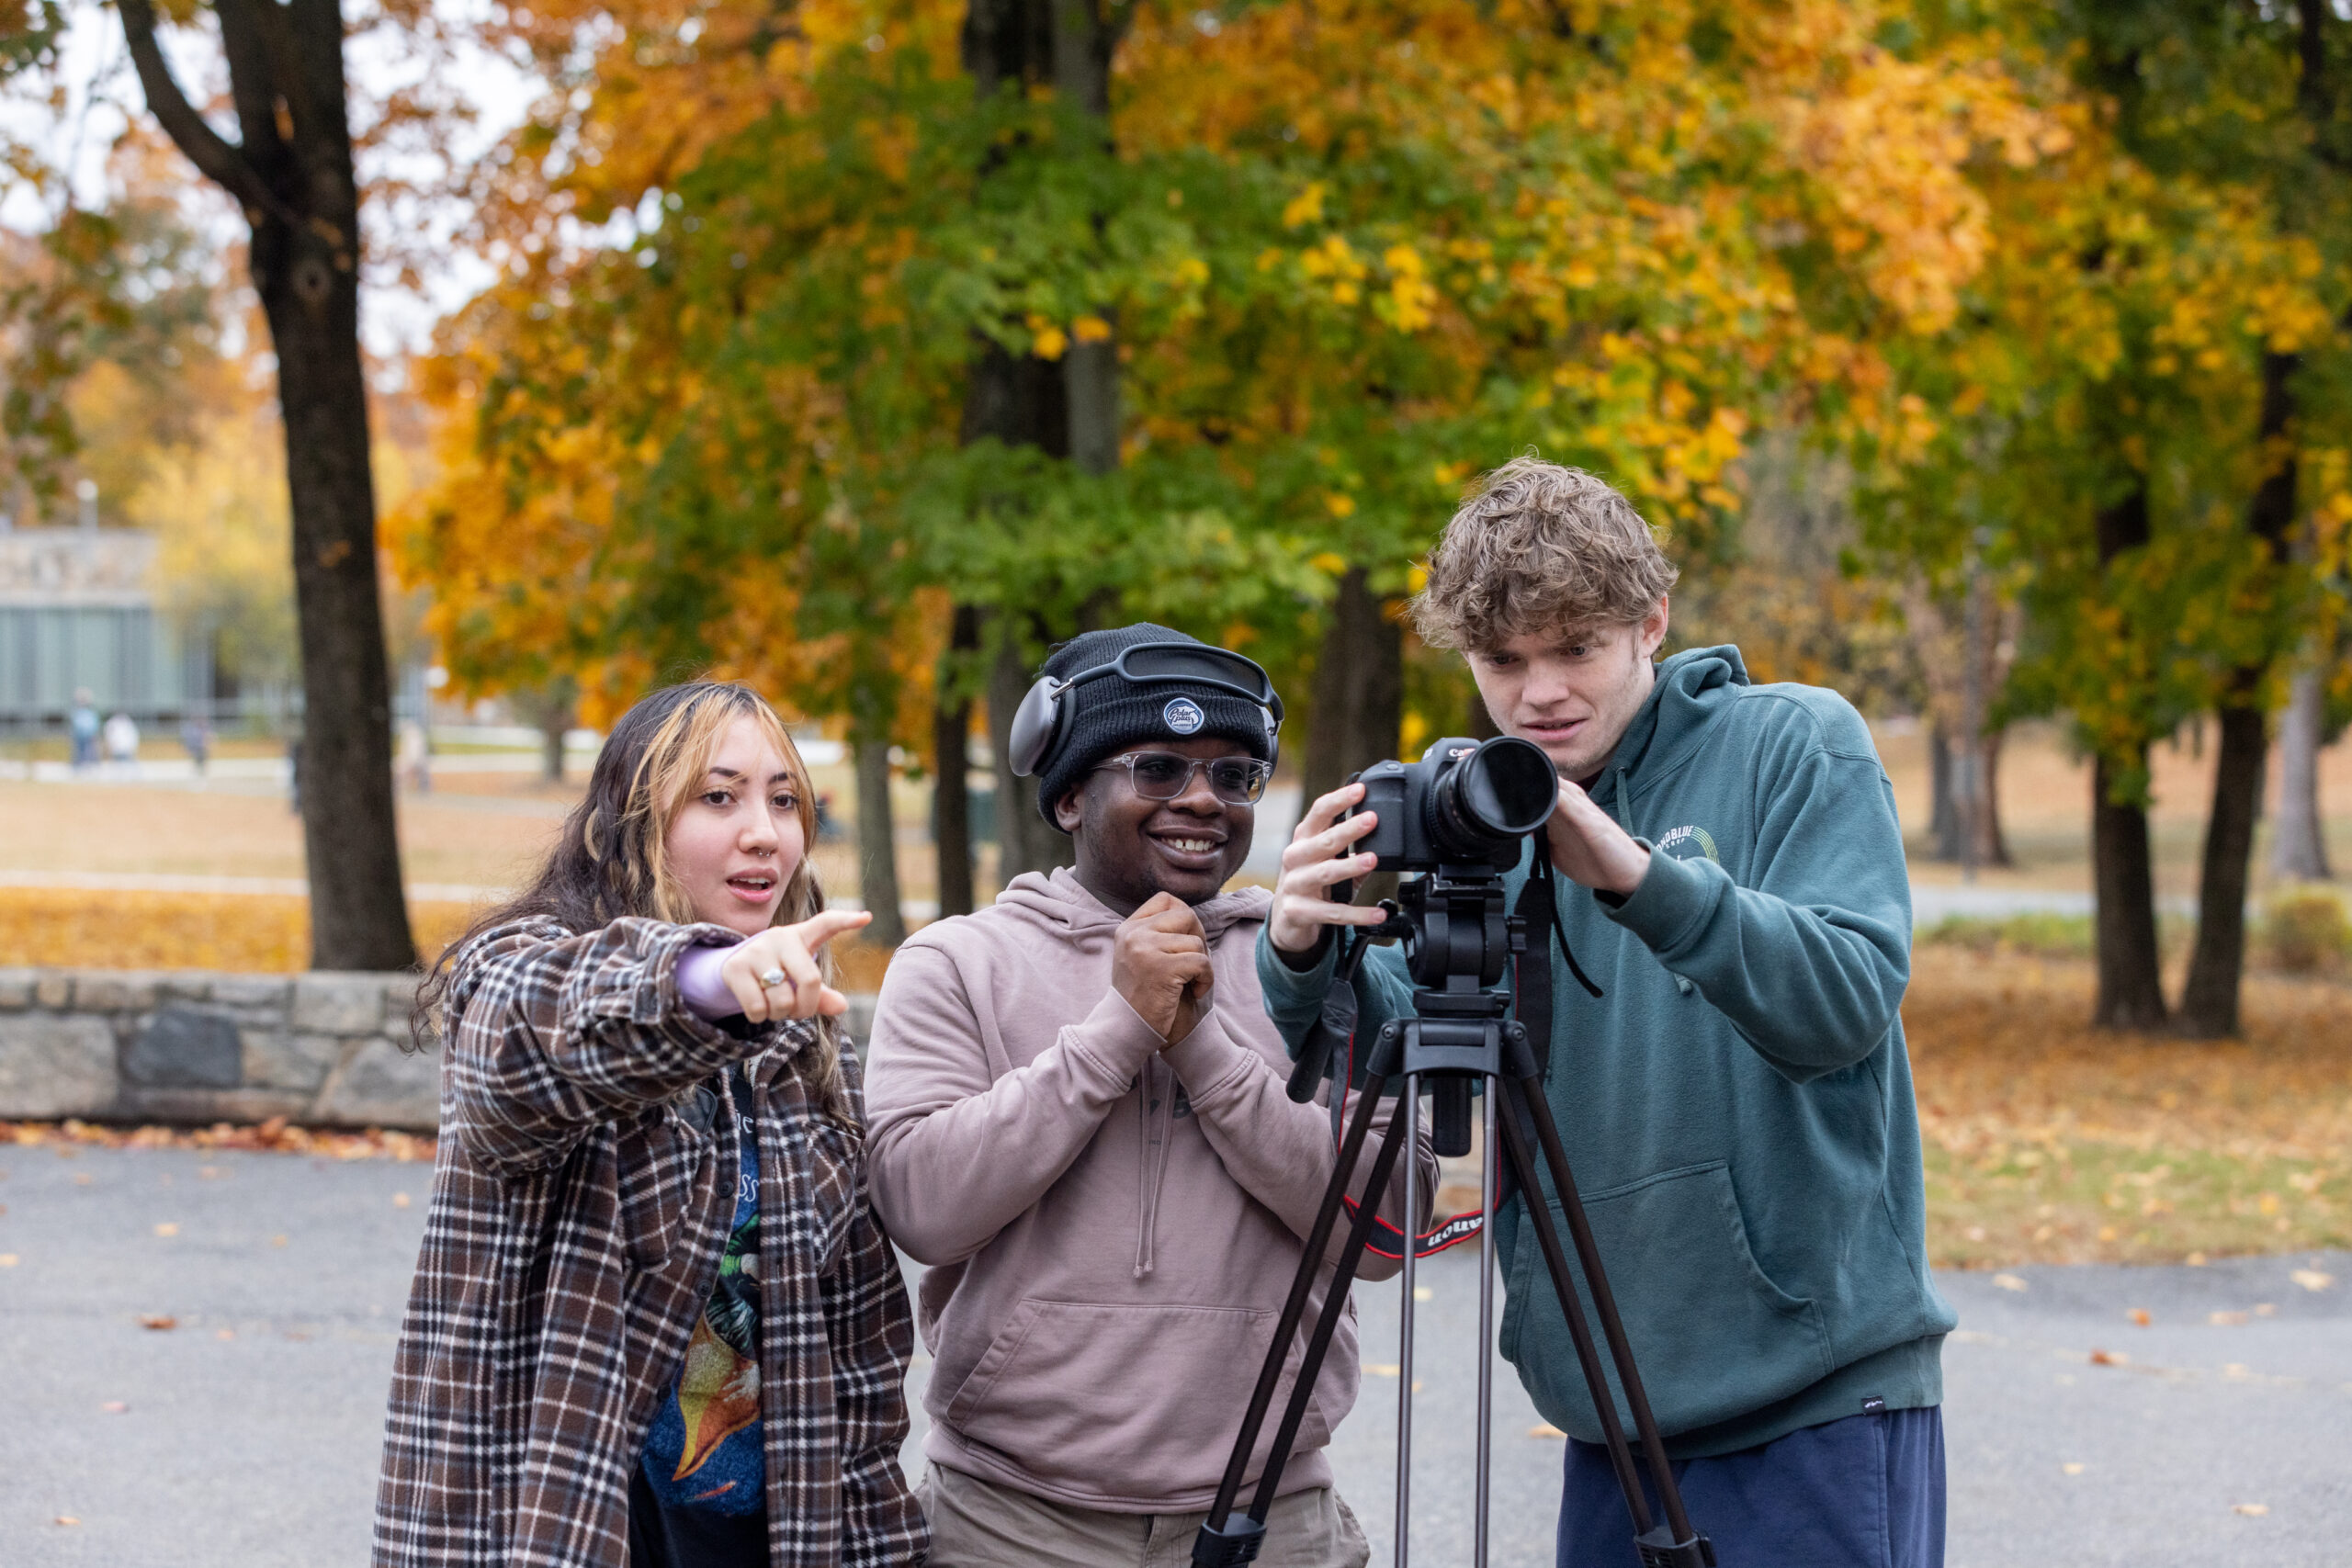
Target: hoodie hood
(1688, 690)
(1061, 901)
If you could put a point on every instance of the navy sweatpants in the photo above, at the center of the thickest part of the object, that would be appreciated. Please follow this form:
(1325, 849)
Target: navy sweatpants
(1864, 1492)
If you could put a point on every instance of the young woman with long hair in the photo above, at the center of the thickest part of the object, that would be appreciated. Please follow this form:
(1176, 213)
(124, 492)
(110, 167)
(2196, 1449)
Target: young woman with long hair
(654, 1322)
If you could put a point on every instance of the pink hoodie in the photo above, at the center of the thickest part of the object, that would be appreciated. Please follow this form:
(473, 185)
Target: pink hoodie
(1112, 1222)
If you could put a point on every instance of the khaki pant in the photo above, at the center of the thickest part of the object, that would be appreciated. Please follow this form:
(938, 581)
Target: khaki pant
(976, 1524)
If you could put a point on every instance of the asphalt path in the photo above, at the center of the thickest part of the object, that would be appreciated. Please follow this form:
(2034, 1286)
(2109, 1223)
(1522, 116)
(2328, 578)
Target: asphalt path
(244, 1435)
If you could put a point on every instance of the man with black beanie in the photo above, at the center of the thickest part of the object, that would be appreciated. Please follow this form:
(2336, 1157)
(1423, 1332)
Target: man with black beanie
(1078, 1120)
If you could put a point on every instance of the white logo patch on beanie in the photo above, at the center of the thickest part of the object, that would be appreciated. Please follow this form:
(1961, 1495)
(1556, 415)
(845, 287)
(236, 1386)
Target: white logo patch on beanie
(1182, 716)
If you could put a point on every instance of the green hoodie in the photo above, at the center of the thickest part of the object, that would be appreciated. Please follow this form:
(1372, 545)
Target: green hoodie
(1737, 1105)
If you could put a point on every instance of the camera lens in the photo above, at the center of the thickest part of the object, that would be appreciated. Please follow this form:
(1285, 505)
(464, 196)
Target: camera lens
(1495, 795)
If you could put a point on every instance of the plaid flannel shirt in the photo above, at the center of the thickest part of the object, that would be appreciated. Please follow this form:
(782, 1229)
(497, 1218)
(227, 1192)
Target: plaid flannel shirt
(579, 1212)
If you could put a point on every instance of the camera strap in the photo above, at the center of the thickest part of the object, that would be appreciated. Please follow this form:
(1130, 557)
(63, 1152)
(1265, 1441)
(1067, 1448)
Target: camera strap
(1531, 981)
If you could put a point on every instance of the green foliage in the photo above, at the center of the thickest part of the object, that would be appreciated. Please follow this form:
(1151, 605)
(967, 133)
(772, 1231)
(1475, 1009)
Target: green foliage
(2039, 934)
(2306, 930)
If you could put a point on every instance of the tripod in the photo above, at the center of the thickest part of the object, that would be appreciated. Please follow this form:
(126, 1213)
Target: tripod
(1462, 1036)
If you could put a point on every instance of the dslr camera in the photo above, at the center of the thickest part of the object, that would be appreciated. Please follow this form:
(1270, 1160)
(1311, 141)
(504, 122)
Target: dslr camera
(1466, 803)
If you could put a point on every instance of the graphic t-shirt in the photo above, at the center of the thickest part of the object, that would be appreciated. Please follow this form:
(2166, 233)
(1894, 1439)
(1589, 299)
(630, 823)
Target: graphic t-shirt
(696, 1500)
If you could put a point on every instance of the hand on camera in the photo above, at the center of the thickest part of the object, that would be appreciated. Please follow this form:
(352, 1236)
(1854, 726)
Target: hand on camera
(790, 952)
(1160, 963)
(1591, 849)
(1316, 859)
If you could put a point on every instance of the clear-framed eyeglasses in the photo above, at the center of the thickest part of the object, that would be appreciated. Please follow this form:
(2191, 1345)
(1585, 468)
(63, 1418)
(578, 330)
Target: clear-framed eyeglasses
(1164, 775)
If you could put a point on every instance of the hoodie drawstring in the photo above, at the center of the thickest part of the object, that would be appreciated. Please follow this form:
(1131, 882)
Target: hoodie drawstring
(1151, 1166)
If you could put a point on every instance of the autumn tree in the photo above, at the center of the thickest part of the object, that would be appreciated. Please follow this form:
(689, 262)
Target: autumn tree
(2115, 406)
(867, 312)
(291, 174)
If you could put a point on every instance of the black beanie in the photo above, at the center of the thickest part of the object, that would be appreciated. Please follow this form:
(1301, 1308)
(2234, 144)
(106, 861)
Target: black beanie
(1114, 713)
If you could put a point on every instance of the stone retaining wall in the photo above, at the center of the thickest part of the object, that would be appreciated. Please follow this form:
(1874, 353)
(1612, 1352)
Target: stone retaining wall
(186, 1045)
(191, 1047)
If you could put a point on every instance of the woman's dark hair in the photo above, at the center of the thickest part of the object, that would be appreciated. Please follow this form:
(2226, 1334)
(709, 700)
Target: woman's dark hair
(608, 861)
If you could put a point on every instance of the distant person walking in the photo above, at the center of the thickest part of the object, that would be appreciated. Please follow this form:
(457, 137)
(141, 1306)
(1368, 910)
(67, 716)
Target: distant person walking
(121, 736)
(82, 725)
(655, 1322)
(195, 739)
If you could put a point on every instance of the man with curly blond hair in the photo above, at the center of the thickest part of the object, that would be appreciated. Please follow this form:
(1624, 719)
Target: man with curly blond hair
(1737, 1101)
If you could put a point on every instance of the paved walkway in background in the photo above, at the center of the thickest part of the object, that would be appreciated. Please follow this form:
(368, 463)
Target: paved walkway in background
(245, 1435)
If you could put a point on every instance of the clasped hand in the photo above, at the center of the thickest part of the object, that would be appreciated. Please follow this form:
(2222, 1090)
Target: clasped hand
(1160, 963)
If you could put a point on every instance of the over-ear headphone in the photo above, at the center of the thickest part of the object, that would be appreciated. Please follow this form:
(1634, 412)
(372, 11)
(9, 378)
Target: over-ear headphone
(1042, 721)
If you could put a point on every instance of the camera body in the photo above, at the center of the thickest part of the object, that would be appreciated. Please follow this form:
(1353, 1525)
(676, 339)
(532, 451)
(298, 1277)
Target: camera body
(1466, 803)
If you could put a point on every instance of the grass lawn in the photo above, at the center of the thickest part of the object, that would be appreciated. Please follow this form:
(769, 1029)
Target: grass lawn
(2047, 1141)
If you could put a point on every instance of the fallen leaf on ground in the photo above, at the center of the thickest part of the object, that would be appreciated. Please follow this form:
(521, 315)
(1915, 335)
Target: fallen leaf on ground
(2072, 1468)
(1420, 1293)
(2110, 1358)
(167, 1229)
(115, 1406)
(1384, 1369)
(1544, 1429)
(2251, 1510)
(2225, 1319)
(275, 1135)
(2266, 1309)
(158, 1322)
(67, 1519)
(2009, 1282)
(2141, 1317)
(7, 1260)
(225, 1333)
(400, 1199)
(278, 1241)
(2312, 1278)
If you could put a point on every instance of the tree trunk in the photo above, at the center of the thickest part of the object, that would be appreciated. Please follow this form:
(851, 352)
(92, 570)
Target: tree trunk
(551, 710)
(2209, 1004)
(359, 918)
(1992, 844)
(1359, 695)
(1025, 840)
(2131, 988)
(291, 172)
(877, 844)
(951, 796)
(2130, 983)
(2299, 850)
(1943, 816)
(2208, 1007)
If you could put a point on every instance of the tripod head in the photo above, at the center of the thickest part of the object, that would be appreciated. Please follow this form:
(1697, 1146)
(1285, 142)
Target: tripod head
(1459, 937)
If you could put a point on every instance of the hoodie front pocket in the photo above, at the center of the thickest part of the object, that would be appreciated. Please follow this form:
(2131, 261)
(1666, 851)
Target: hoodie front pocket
(1714, 1337)
(1117, 1394)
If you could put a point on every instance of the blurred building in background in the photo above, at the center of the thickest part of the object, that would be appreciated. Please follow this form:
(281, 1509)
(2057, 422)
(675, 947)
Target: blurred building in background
(76, 612)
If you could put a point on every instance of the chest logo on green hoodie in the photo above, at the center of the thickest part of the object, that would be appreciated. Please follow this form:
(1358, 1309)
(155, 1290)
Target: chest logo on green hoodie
(1702, 842)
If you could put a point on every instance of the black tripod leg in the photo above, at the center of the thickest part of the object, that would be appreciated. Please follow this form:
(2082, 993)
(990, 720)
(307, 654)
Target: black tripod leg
(1302, 1285)
(1564, 1285)
(1335, 1307)
(1687, 1544)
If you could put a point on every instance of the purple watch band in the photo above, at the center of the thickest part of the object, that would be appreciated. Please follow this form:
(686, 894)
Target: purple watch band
(700, 987)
